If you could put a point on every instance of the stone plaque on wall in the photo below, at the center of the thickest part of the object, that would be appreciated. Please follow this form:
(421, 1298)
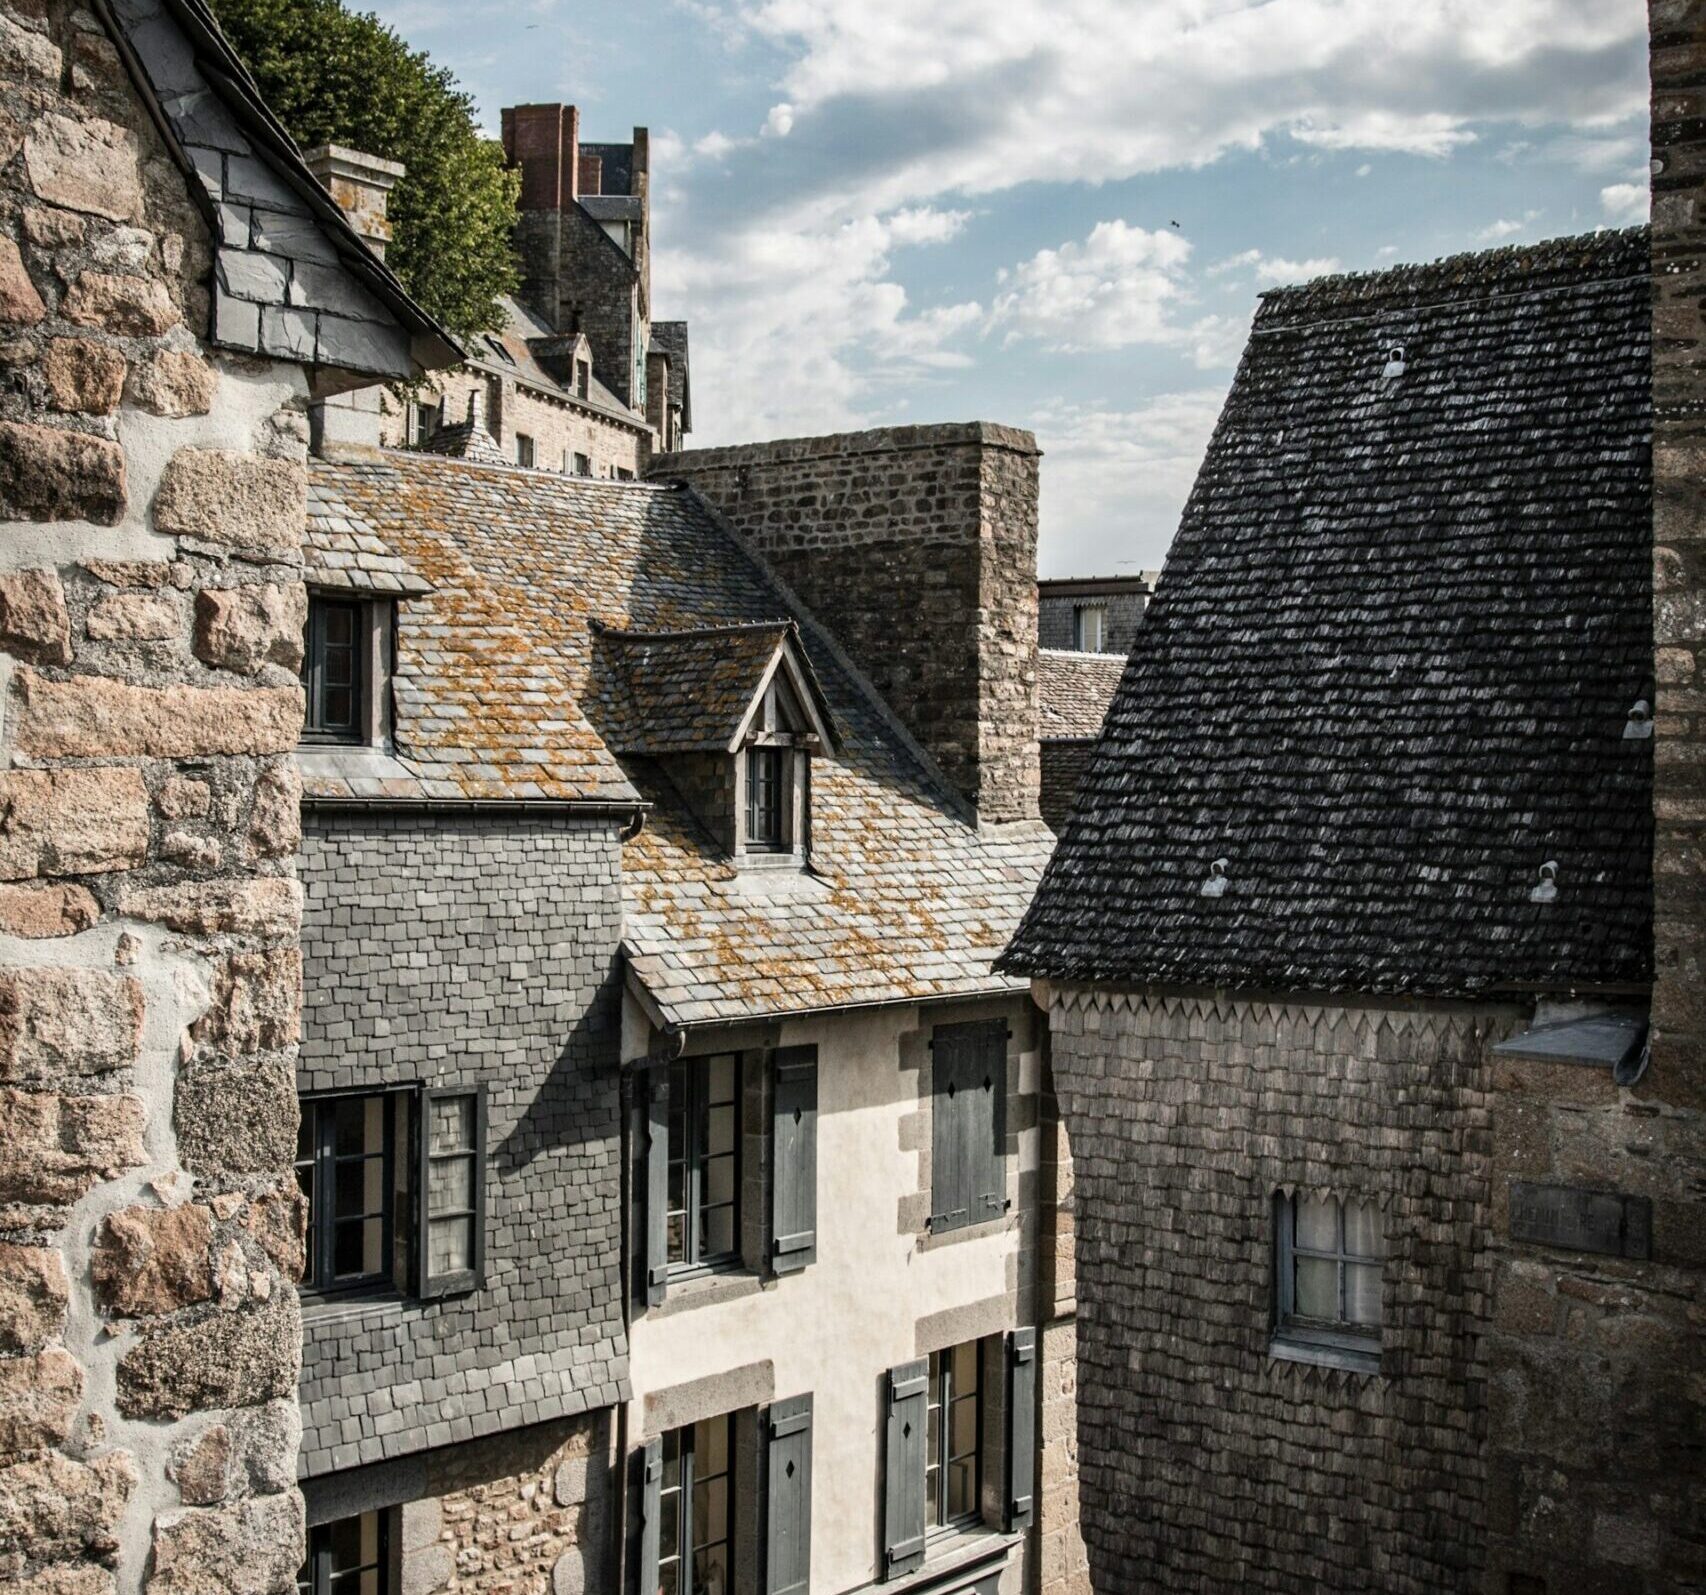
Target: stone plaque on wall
(1582, 1221)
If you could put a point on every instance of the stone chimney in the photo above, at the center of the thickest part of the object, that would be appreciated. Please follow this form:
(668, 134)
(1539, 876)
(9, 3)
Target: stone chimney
(582, 235)
(917, 547)
(361, 184)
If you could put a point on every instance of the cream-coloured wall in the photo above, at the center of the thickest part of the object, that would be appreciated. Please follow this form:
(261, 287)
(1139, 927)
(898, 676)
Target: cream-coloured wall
(836, 1328)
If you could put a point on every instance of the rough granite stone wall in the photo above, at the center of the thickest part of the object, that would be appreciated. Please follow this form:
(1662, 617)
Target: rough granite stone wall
(451, 950)
(1599, 1363)
(917, 547)
(558, 428)
(150, 614)
(1205, 1463)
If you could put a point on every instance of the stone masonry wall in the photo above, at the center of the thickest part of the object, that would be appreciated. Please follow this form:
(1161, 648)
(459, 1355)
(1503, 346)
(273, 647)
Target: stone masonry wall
(917, 547)
(1206, 1463)
(150, 619)
(451, 950)
(558, 428)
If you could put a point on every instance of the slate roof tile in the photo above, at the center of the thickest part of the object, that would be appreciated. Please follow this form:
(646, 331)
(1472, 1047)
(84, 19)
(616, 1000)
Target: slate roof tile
(1074, 690)
(495, 665)
(1388, 668)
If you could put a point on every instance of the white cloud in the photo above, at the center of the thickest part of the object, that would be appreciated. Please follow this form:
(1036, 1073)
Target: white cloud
(1115, 479)
(1507, 227)
(1273, 271)
(1625, 203)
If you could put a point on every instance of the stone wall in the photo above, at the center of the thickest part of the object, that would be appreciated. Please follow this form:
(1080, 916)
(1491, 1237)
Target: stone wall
(558, 427)
(1205, 1462)
(150, 616)
(455, 950)
(917, 547)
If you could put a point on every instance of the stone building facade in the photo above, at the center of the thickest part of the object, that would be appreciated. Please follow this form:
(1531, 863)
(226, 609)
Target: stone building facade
(948, 637)
(153, 431)
(1093, 614)
(1380, 1281)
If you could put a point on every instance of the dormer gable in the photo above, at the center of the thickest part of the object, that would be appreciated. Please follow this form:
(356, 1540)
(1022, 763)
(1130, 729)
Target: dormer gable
(732, 715)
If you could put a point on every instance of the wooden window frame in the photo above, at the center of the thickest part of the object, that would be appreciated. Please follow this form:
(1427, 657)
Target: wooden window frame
(315, 1575)
(683, 1554)
(939, 1400)
(1338, 1341)
(314, 728)
(694, 1073)
(458, 1281)
(323, 1217)
(774, 839)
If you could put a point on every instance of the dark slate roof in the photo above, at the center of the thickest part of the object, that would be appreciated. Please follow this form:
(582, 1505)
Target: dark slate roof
(495, 700)
(686, 691)
(1074, 690)
(671, 338)
(1387, 672)
(292, 278)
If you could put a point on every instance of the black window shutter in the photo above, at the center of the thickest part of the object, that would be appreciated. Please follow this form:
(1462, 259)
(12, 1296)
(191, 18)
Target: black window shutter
(968, 1176)
(651, 1497)
(788, 1497)
(903, 1472)
(656, 1260)
(1021, 1426)
(793, 1186)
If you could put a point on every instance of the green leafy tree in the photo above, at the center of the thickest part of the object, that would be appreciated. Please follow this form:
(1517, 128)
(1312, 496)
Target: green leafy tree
(334, 76)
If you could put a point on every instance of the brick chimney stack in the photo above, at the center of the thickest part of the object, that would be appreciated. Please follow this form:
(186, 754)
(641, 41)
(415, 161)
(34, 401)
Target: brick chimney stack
(361, 184)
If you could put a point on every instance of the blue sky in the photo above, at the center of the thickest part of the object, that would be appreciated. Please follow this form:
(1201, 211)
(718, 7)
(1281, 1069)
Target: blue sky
(1057, 213)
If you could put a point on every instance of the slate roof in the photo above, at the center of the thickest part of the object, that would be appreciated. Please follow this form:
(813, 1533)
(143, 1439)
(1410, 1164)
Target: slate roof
(495, 699)
(1074, 690)
(667, 692)
(291, 277)
(1388, 669)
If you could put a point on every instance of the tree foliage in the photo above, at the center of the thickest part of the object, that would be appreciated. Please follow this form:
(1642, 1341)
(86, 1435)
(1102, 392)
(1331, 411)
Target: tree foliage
(333, 76)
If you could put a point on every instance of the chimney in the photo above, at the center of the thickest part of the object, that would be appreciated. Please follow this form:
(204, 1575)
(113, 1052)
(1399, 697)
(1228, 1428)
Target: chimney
(361, 184)
(544, 141)
(919, 552)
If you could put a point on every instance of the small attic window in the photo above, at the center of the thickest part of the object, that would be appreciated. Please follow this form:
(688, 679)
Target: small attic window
(1396, 364)
(498, 349)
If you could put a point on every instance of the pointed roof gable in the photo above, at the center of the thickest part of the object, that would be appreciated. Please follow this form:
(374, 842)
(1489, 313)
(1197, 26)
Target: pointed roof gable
(1382, 699)
(698, 691)
(292, 279)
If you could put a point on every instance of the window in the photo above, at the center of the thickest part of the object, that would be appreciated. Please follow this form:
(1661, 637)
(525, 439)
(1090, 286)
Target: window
(954, 1435)
(583, 378)
(623, 474)
(696, 1525)
(344, 1155)
(348, 1557)
(766, 770)
(523, 449)
(1330, 1257)
(453, 1129)
(968, 1131)
(583, 465)
(333, 671)
(355, 1168)
(1090, 627)
(424, 420)
(702, 1217)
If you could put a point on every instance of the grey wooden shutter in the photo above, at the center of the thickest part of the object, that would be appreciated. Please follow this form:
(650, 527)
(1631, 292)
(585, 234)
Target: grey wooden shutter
(1021, 1426)
(903, 1472)
(788, 1497)
(656, 1260)
(793, 1142)
(968, 1166)
(651, 1513)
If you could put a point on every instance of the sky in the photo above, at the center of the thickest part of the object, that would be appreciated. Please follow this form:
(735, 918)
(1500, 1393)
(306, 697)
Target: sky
(1057, 214)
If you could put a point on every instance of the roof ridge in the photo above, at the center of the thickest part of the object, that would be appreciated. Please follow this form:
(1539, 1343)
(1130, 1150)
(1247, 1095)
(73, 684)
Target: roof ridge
(638, 633)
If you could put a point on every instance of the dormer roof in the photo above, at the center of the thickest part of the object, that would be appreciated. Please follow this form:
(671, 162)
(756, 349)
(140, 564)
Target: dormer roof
(700, 690)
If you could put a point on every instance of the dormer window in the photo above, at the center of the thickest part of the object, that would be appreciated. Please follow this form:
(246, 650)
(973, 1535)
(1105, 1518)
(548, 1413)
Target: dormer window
(733, 715)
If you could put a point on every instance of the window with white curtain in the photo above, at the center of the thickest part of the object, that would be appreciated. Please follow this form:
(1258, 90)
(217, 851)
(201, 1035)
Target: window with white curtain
(1330, 1258)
